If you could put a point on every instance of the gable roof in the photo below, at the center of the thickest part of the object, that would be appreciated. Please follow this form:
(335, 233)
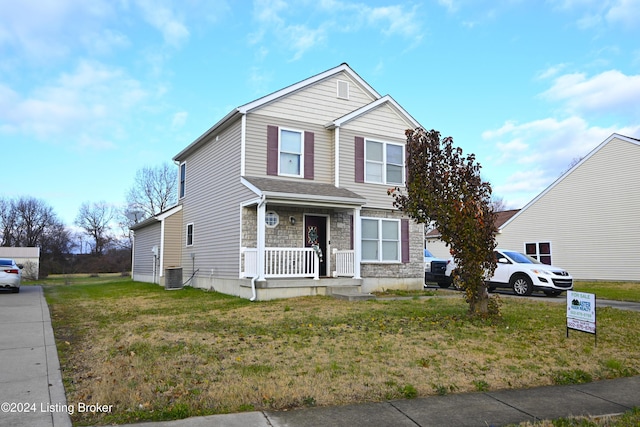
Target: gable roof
(387, 99)
(156, 218)
(501, 218)
(260, 102)
(296, 192)
(577, 165)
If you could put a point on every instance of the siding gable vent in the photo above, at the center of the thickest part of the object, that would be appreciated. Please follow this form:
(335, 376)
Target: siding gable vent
(343, 89)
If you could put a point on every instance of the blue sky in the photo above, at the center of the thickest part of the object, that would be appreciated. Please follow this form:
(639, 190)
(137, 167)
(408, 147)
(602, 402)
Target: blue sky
(92, 91)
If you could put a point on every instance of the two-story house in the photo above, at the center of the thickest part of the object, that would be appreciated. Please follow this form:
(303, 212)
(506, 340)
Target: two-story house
(287, 196)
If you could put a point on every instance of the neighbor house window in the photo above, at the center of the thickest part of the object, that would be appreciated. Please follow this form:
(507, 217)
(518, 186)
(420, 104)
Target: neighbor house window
(384, 163)
(291, 153)
(380, 240)
(183, 178)
(190, 234)
(539, 250)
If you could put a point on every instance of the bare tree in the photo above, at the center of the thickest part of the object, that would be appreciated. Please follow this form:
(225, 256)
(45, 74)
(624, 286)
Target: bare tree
(8, 223)
(498, 204)
(95, 219)
(154, 190)
(34, 217)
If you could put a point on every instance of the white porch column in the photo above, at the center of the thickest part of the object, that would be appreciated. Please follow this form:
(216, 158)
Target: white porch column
(260, 233)
(357, 243)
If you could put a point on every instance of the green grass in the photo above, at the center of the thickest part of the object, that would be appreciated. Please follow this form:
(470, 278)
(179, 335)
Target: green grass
(628, 419)
(619, 291)
(159, 355)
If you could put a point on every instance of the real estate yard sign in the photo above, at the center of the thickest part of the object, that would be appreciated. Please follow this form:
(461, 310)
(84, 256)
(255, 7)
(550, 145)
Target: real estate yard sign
(581, 312)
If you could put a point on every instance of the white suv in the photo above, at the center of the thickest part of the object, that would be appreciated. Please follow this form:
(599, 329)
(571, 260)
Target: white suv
(525, 274)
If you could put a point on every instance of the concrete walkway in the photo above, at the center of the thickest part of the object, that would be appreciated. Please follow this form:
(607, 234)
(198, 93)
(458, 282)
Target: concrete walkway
(31, 387)
(32, 394)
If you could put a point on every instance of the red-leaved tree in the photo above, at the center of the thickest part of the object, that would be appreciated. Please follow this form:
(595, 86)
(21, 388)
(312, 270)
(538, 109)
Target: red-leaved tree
(444, 187)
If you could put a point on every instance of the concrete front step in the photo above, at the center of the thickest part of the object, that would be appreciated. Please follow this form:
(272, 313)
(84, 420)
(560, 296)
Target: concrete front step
(352, 296)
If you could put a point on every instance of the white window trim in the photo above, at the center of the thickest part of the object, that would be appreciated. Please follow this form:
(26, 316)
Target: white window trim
(182, 192)
(301, 132)
(379, 240)
(384, 162)
(267, 213)
(537, 255)
(186, 235)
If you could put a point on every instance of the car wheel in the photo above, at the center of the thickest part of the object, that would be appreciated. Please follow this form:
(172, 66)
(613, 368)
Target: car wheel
(522, 285)
(552, 293)
(444, 285)
(15, 290)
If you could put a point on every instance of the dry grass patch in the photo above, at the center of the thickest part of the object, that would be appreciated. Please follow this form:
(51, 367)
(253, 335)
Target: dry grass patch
(158, 355)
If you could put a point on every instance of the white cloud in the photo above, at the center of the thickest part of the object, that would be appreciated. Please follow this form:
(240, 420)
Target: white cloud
(179, 119)
(610, 92)
(530, 156)
(41, 30)
(91, 98)
(281, 20)
(626, 12)
(166, 20)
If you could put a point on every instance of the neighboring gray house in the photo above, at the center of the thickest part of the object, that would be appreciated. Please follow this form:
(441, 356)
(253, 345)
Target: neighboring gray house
(287, 196)
(28, 258)
(586, 222)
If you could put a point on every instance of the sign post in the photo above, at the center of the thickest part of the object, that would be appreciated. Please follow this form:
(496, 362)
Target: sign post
(581, 313)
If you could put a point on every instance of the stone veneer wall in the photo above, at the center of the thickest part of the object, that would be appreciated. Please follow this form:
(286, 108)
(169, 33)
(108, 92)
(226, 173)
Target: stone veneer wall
(285, 235)
(291, 236)
(412, 269)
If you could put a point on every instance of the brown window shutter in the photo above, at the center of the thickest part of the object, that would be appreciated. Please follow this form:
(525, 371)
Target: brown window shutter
(272, 150)
(404, 240)
(359, 160)
(308, 155)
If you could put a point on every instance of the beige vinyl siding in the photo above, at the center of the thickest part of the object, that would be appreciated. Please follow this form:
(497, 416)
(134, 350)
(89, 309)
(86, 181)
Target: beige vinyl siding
(319, 103)
(256, 143)
(212, 204)
(172, 241)
(590, 217)
(145, 239)
(382, 124)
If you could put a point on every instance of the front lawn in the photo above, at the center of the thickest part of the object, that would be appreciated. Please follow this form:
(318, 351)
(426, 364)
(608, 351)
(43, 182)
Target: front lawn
(159, 355)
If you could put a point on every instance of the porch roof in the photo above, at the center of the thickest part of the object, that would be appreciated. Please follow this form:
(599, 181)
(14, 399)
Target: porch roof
(298, 192)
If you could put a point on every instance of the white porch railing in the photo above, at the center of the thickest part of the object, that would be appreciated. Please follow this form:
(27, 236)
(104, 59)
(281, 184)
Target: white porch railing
(344, 263)
(283, 262)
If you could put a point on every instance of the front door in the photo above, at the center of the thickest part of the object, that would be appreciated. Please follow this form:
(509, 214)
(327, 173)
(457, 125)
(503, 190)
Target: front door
(315, 233)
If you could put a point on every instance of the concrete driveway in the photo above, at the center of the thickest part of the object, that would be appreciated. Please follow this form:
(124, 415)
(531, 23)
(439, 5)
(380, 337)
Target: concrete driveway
(31, 390)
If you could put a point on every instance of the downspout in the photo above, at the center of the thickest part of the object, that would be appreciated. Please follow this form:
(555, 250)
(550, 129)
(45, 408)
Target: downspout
(259, 244)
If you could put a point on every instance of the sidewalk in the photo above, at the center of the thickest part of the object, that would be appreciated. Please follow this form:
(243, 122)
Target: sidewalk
(30, 379)
(460, 410)
(30, 373)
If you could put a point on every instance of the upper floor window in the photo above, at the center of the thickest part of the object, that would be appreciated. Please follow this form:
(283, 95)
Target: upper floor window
(291, 153)
(183, 179)
(384, 162)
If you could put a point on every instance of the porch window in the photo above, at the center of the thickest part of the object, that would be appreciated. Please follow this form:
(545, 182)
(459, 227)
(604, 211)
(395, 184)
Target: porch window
(189, 233)
(291, 153)
(539, 250)
(380, 240)
(271, 219)
(384, 162)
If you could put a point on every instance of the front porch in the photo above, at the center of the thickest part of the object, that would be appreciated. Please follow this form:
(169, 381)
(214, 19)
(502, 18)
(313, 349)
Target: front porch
(291, 263)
